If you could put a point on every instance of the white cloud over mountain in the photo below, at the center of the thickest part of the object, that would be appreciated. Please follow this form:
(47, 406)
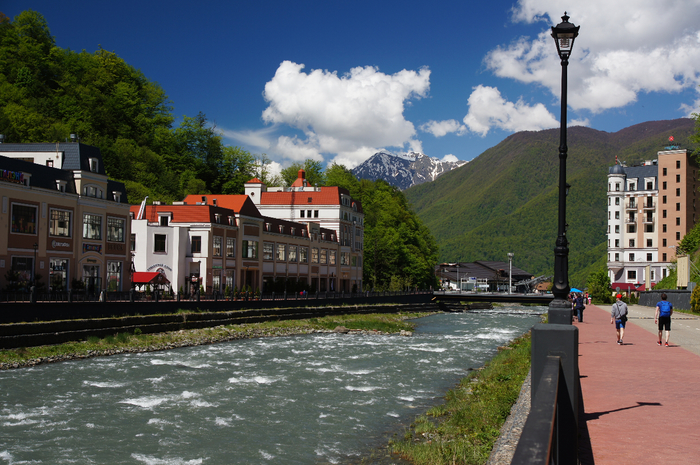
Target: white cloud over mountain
(348, 115)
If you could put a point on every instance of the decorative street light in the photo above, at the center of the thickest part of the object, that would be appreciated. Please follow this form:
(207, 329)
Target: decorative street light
(36, 247)
(564, 35)
(510, 272)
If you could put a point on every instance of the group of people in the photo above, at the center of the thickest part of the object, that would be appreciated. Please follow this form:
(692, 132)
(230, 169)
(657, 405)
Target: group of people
(662, 317)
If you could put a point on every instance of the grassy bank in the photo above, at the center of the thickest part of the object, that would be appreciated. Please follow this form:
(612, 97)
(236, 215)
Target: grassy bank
(464, 429)
(136, 342)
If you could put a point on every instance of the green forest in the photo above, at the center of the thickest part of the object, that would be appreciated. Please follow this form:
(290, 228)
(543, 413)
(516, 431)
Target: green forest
(48, 93)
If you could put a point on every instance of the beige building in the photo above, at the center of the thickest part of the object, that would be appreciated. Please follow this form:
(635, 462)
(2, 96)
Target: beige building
(650, 208)
(65, 222)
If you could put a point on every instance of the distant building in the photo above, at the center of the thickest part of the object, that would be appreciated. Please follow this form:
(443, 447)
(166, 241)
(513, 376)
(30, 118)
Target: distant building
(650, 208)
(63, 218)
(484, 276)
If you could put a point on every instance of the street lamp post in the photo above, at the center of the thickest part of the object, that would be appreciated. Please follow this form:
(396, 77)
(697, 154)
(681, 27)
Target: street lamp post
(510, 273)
(564, 35)
(36, 247)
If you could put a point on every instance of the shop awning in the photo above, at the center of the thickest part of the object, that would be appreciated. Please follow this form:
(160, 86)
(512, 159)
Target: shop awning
(149, 277)
(629, 286)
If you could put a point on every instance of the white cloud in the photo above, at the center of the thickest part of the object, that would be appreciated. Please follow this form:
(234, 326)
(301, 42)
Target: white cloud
(488, 109)
(450, 158)
(442, 128)
(621, 51)
(343, 114)
(260, 139)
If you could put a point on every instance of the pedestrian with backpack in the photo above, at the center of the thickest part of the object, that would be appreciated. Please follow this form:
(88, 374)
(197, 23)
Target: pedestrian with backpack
(664, 310)
(618, 315)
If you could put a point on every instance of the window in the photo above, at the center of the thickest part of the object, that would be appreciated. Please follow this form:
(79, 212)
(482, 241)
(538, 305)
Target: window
(159, 243)
(218, 242)
(664, 258)
(649, 228)
(631, 257)
(314, 255)
(678, 192)
(650, 242)
(250, 249)
(617, 257)
(664, 185)
(217, 218)
(308, 213)
(665, 171)
(324, 257)
(24, 266)
(678, 207)
(631, 243)
(132, 246)
(344, 258)
(663, 214)
(663, 227)
(617, 200)
(678, 164)
(115, 229)
(92, 226)
(114, 276)
(94, 165)
(617, 242)
(303, 255)
(678, 221)
(315, 213)
(650, 185)
(632, 228)
(649, 257)
(331, 257)
(631, 274)
(678, 235)
(301, 213)
(617, 229)
(164, 220)
(230, 247)
(617, 215)
(632, 186)
(678, 178)
(281, 252)
(58, 274)
(23, 219)
(292, 255)
(196, 245)
(663, 242)
(663, 199)
(268, 249)
(59, 223)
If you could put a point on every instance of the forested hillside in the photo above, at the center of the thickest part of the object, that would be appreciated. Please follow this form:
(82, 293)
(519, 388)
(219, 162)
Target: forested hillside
(505, 200)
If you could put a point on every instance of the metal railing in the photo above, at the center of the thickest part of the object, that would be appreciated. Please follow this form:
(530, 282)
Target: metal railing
(549, 436)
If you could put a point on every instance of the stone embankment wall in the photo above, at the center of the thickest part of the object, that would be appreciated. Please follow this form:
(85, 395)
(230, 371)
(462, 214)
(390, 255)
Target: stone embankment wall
(57, 332)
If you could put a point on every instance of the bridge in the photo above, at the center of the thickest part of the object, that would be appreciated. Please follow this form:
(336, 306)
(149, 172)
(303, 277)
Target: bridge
(535, 299)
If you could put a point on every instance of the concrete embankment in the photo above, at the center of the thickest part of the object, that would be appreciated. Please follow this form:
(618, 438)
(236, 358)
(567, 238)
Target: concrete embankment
(57, 332)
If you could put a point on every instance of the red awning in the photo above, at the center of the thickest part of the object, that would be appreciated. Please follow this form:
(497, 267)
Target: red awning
(630, 286)
(149, 277)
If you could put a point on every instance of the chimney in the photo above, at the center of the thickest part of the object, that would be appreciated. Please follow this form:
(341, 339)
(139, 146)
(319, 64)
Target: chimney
(73, 138)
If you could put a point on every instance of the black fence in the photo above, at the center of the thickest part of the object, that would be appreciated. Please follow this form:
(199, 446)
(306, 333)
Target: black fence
(17, 307)
(549, 436)
(680, 298)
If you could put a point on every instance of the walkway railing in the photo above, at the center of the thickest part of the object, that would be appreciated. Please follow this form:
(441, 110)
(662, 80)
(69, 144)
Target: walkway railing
(550, 432)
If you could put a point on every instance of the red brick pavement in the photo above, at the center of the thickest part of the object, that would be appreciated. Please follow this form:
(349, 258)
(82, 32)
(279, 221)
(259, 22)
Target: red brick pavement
(641, 401)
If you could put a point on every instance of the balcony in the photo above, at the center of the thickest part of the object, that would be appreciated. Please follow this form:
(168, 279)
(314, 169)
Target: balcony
(630, 220)
(648, 220)
(631, 206)
(649, 206)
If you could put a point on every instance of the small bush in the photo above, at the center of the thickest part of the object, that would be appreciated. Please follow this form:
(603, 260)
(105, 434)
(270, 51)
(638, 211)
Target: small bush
(695, 299)
(137, 332)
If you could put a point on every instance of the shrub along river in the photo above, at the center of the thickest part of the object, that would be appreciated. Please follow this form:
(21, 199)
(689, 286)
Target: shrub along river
(319, 398)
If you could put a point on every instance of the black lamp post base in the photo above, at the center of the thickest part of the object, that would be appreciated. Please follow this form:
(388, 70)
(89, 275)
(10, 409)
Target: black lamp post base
(560, 312)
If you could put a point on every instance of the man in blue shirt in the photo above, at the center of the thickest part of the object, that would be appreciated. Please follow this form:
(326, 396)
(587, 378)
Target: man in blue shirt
(664, 310)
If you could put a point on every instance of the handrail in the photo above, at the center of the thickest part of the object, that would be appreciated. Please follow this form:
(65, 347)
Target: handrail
(549, 434)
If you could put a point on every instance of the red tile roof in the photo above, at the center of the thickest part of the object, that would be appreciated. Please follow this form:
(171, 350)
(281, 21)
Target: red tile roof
(148, 277)
(184, 213)
(239, 203)
(327, 195)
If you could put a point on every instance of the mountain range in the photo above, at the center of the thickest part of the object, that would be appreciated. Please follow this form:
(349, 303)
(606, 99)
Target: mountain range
(505, 200)
(404, 171)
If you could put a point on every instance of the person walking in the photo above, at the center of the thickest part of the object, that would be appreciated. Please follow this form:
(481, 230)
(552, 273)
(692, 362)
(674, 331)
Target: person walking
(618, 315)
(664, 310)
(579, 306)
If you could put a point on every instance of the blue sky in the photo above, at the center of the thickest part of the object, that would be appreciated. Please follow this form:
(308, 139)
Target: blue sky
(337, 81)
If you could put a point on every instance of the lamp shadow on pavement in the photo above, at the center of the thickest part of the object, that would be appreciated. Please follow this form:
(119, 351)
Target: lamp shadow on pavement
(597, 415)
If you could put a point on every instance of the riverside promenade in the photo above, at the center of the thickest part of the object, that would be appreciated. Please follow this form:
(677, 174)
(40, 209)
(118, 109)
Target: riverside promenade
(640, 401)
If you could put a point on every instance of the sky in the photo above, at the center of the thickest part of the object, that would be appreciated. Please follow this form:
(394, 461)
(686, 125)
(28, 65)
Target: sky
(337, 81)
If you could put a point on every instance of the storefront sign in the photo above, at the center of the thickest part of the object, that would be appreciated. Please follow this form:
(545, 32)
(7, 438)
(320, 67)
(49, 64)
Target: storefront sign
(159, 265)
(56, 244)
(92, 248)
(12, 176)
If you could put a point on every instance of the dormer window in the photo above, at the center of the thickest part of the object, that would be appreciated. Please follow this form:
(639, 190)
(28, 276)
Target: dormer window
(60, 185)
(217, 216)
(268, 226)
(163, 220)
(231, 221)
(117, 196)
(323, 236)
(281, 229)
(94, 165)
(292, 230)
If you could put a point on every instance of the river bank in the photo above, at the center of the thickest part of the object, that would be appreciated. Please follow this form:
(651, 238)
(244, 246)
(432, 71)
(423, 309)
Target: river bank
(124, 343)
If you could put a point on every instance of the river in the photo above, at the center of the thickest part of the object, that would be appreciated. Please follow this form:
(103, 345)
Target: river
(312, 399)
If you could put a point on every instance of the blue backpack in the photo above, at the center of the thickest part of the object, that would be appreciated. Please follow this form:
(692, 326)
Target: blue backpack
(665, 308)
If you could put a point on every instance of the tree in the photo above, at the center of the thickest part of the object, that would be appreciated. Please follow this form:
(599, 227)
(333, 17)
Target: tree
(313, 169)
(599, 286)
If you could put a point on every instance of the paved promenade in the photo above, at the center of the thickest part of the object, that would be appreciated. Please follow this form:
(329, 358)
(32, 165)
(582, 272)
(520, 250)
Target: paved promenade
(641, 401)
